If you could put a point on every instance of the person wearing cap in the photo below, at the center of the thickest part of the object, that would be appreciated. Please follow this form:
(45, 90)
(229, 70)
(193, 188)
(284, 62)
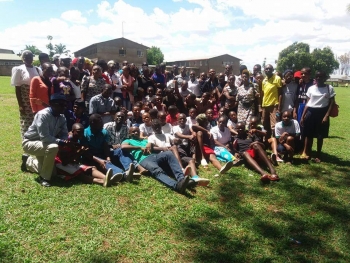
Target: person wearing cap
(289, 95)
(21, 78)
(65, 61)
(77, 115)
(48, 130)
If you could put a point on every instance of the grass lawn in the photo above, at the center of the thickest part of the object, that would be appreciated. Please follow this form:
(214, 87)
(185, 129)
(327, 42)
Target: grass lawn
(236, 219)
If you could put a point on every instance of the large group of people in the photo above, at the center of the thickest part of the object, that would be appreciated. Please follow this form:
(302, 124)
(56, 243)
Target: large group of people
(104, 123)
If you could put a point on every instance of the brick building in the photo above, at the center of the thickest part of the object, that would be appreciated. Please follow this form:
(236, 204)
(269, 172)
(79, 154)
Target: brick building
(118, 49)
(217, 63)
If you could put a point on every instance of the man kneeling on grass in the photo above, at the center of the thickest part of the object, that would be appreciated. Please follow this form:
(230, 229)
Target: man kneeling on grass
(68, 162)
(253, 151)
(156, 164)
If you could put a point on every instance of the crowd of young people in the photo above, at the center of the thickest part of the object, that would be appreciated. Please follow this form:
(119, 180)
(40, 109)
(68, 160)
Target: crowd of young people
(104, 124)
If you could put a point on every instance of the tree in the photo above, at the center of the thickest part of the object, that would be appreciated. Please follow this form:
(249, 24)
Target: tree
(50, 46)
(60, 49)
(33, 49)
(344, 63)
(297, 56)
(154, 56)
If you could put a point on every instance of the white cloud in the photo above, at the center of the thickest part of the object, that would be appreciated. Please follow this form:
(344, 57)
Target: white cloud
(73, 16)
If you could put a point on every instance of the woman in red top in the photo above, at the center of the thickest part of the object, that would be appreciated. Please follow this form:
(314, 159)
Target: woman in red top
(41, 89)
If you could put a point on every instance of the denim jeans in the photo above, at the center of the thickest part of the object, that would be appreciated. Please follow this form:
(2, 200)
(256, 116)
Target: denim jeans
(157, 164)
(123, 158)
(115, 169)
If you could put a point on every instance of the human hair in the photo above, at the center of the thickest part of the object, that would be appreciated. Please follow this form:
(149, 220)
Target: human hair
(172, 108)
(77, 126)
(201, 119)
(95, 117)
(156, 122)
(153, 113)
(245, 72)
(224, 117)
(61, 70)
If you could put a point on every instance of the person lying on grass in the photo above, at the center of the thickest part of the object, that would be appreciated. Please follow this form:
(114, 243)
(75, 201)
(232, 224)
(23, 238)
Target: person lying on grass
(68, 162)
(287, 133)
(206, 144)
(252, 151)
(159, 165)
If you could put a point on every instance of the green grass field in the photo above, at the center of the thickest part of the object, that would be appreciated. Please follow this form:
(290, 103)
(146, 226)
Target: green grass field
(236, 219)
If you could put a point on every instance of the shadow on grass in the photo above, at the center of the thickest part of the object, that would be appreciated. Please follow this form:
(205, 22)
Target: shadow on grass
(266, 221)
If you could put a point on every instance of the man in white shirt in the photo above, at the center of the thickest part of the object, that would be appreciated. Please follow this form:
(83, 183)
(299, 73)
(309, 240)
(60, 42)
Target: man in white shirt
(287, 133)
(193, 85)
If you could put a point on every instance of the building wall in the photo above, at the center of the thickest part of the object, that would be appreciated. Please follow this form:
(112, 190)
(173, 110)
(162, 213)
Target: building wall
(6, 51)
(219, 63)
(110, 50)
(6, 67)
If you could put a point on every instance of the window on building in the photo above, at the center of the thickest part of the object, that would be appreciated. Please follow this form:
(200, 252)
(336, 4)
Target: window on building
(200, 63)
(7, 63)
(122, 52)
(139, 54)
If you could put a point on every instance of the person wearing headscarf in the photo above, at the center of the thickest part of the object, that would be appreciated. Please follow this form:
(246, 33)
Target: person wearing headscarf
(21, 78)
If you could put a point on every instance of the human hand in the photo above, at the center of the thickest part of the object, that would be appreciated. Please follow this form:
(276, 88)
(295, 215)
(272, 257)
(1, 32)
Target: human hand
(325, 119)
(102, 164)
(289, 148)
(209, 134)
(295, 116)
(116, 146)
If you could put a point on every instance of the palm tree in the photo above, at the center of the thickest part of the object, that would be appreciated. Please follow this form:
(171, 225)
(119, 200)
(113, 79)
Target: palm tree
(33, 49)
(348, 8)
(60, 49)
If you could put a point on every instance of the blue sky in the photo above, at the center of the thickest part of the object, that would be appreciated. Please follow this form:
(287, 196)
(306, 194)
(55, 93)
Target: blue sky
(251, 30)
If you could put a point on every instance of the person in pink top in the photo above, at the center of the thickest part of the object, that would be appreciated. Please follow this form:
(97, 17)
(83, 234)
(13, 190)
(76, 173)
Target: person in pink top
(127, 88)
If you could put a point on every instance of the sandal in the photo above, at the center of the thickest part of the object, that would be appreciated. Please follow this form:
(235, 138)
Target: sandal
(265, 178)
(274, 177)
(304, 157)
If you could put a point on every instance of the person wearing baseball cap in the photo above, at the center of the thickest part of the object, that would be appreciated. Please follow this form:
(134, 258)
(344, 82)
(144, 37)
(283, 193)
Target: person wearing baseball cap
(48, 130)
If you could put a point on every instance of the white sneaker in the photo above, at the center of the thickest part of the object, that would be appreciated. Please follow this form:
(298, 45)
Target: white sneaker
(200, 181)
(116, 178)
(130, 173)
(226, 167)
(108, 176)
(204, 162)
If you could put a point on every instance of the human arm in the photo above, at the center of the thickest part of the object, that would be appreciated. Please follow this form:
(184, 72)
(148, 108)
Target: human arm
(304, 112)
(196, 128)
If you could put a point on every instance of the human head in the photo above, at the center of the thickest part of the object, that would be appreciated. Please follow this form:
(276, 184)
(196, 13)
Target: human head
(111, 67)
(240, 128)
(47, 70)
(74, 73)
(288, 76)
(81, 63)
(222, 122)
(306, 74)
(205, 96)
(190, 99)
(103, 64)
(107, 90)
(65, 60)
(96, 71)
(169, 92)
(259, 78)
(245, 76)
(183, 71)
(222, 111)
(221, 78)
(145, 71)
(233, 116)
(58, 103)
(63, 72)
(193, 113)
(146, 118)
(172, 111)
(27, 57)
(96, 123)
(254, 121)
(231, 80)
(321, 77)
(184, 85)
(202, 120)
(118, 101)
(192, 75)
(158, 100)
(159, 92)
(147, 106)
(209, 113)
(241, 68)
(125, 63)
(134, 132)
(212, 73)
(228, 70)
(203, 76)
(153, 113)
(182, 119)
(56, 60)
(126, 71)
(79, 107)
(269, 70)
(44, 58)
(286, 117)
(77, 131)
(157, 126)
(256, 69)
(162, 117)
(136, 111)
(150, 91)
(119, 118)
(176, 70)
(140, 92)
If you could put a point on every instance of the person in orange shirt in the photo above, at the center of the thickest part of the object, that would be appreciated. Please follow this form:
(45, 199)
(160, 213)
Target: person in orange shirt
(41, 89)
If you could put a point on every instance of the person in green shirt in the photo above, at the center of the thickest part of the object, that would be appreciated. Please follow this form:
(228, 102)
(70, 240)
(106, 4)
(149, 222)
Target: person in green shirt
(156, 164)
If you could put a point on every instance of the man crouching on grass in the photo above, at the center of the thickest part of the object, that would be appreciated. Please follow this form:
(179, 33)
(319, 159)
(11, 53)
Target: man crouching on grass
(156, 164)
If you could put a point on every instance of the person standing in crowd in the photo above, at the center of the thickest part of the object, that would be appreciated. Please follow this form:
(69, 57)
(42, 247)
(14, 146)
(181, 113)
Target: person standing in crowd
(48, 130)
(211, 83)
(103, 104)
(92, 85)
(127, 88)
(247, 97)
(271, 89)
(41, 89)
(238, 79)
(114, 79)
(228, 72)
(304, 84)
(288, 96)
(315, 118)
(81, 66)
(43, 58)
(193, 85)
(21, 78)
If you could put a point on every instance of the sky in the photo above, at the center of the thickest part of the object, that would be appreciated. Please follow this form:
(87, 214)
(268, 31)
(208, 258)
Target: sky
(250, 30)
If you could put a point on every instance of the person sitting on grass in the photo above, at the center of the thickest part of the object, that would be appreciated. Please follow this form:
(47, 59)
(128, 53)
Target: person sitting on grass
(146, 127)
(68, 162)
(287, 133)
(159, 165)
(252, 151)
(186, 149)
(172, 116)
(136, 119)
(167, 128)
(206, 144)
(258, 130)
(96, 139)
(191, 119)
(78, 115)
(232, 122)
